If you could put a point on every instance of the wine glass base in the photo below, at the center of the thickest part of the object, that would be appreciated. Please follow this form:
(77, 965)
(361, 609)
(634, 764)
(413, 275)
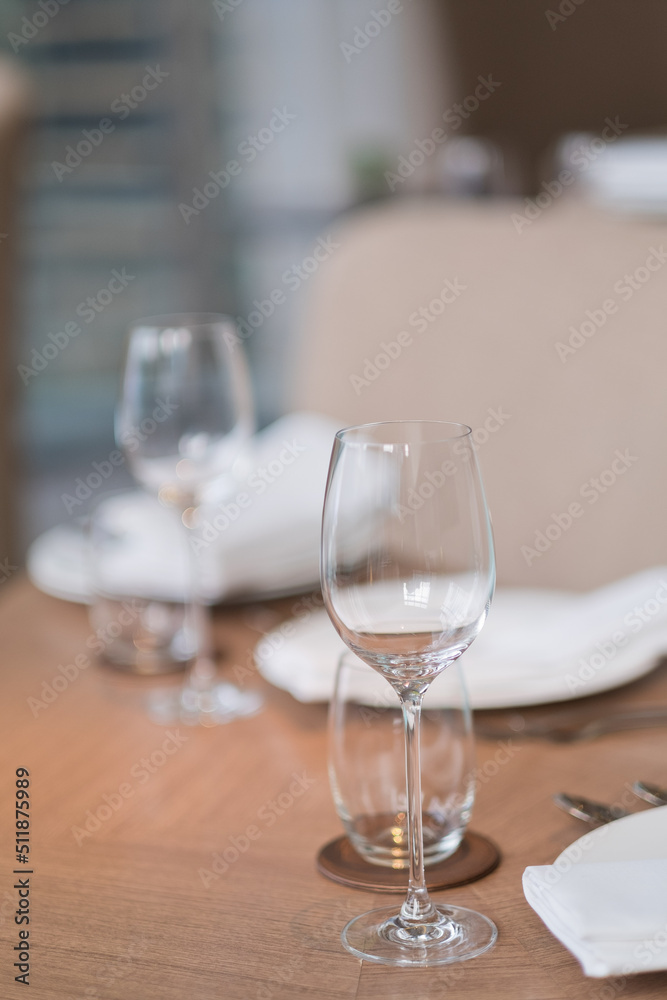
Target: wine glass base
(216, 706)
(380, 936)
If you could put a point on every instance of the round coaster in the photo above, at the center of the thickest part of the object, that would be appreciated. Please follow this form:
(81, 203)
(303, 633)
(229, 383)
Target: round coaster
(476, 856)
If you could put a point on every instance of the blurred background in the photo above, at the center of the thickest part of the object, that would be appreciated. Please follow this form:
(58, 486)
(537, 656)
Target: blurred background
(168, 155)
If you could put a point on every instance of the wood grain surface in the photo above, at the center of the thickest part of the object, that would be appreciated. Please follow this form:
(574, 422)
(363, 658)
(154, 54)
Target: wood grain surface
(196, 876)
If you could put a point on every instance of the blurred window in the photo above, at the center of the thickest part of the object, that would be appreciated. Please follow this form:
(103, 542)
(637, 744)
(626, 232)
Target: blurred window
(189, 155)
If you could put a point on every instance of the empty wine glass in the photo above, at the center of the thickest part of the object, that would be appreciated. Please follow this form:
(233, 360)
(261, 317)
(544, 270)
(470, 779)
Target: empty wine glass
(408, 575)
(184, 416)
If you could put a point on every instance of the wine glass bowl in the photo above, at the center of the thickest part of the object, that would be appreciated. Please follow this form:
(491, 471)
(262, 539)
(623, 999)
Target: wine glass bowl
(185, 410)
(408, 575)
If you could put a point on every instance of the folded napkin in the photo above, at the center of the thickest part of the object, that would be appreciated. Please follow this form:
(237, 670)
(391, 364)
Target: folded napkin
(630, 176)
(611, 915)
(537, 645)
(260, 532)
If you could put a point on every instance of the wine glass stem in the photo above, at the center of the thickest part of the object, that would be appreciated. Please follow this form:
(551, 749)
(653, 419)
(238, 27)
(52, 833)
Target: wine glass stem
(201, 675)
(417, 907)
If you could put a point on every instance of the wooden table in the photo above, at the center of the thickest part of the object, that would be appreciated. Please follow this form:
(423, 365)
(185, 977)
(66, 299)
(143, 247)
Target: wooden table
(140, 907)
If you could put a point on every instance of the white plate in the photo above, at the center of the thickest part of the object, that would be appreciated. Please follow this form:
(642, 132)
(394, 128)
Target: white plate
(56, 565)
(640, 837)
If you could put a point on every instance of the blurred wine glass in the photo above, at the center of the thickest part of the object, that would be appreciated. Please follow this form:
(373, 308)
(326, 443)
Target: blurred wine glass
(183, 419)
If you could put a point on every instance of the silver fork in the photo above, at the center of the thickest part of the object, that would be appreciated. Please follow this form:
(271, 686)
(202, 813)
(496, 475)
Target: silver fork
(652, 794)
(599, 813)
(595, 813)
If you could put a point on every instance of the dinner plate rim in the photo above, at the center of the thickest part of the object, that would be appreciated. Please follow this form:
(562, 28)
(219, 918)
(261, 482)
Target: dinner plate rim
(77, 594)
(630, 832)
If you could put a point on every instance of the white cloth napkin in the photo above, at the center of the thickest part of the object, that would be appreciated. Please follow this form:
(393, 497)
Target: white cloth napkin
(611, 915)
(630, 176)
(261, 533)
(537, 645)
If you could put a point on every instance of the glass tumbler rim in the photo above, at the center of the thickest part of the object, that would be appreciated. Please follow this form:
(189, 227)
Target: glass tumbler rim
(360, 435)
(192, 320)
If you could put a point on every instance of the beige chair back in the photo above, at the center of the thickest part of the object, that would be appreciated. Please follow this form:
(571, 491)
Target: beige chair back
(551, 342)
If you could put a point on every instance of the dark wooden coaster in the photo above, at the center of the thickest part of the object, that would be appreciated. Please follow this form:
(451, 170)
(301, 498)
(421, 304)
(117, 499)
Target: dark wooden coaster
(475, 858)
